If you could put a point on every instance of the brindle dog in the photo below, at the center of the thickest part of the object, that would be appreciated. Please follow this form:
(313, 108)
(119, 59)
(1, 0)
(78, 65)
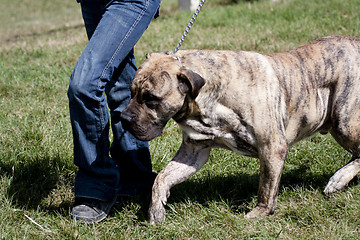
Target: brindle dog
(254, 104)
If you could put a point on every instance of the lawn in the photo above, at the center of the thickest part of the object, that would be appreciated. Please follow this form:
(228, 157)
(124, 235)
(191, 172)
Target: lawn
(40, 42)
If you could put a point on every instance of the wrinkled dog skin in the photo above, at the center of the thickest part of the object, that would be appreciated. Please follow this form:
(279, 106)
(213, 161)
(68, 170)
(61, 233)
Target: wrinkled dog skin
(254, 104)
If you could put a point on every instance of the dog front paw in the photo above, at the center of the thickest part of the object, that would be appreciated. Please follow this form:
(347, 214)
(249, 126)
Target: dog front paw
(334, 186)
(258, 212)
(156, 214)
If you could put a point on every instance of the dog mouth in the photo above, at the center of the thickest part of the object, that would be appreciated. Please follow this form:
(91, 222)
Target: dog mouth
(141, 131)
(145, 133)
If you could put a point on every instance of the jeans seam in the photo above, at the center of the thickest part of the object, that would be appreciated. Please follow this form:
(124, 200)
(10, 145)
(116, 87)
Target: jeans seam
(142, 13)
(101, 114)
(125, 38)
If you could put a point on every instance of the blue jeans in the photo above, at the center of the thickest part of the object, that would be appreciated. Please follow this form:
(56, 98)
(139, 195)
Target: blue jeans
(106, 67)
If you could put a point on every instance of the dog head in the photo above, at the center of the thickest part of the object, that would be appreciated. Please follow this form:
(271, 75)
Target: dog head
(160, 90)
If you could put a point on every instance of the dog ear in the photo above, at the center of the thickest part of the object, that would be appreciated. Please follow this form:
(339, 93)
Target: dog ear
(190, 82)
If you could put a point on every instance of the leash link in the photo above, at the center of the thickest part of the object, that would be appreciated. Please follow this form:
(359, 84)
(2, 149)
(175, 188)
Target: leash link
(188, 27)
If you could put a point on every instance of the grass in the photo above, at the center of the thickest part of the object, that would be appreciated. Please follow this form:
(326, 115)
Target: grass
(40, 42)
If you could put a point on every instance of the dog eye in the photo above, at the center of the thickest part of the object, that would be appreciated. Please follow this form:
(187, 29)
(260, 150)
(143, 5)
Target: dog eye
(151, 104)
(150, 100)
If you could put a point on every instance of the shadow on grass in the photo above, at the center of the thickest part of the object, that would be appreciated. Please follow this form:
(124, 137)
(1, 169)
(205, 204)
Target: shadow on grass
(32, 181)
(237, 190)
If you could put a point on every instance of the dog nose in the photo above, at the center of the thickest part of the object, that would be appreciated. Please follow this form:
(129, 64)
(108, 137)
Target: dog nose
(125, 120)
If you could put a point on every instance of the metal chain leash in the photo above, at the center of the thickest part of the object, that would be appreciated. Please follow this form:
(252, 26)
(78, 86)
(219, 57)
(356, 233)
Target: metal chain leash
(188, 27)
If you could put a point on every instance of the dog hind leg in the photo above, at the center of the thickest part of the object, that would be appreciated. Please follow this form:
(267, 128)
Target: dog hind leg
(347, 135)
(343, 176)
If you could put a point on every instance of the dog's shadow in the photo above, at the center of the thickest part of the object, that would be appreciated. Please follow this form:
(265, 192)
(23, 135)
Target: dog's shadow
(30, 182)
(237, 190)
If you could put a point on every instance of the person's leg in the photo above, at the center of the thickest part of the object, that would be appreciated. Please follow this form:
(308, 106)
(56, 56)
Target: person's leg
(120, 27)
(131, 155)
(92, 11)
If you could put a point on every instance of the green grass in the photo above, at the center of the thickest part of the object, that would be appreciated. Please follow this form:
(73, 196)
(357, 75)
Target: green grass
(40, 42)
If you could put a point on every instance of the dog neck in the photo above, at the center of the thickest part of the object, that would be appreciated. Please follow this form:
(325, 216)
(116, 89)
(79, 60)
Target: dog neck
(189, 109)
